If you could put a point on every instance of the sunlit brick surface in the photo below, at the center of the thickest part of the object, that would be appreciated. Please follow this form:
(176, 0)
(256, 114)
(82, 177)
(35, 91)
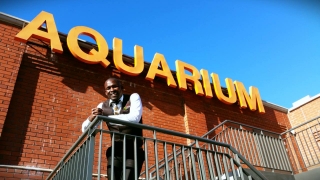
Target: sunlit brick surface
(45, 98)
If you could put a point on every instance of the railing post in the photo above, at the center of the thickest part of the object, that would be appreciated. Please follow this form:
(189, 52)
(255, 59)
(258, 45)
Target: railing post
(200, 161)
(90, 156)
(175, 161)
(136, 176)
(193, 164)
(100, 151)
(284, 156)
(156, 153)
(184, 163)
(166, 160)
(296, 148)
(124, 153)
(146, 159)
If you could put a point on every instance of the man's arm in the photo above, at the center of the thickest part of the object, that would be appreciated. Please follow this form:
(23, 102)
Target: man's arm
(95, 111)
(135, 110)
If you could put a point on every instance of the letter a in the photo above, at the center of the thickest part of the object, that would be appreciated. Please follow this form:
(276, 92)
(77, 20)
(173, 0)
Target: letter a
(183, 77)
(33, 30)
(165, 72)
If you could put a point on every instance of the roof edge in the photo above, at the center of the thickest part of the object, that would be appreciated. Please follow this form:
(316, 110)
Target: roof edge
(306, 102)
(12, 19)
(275, 106)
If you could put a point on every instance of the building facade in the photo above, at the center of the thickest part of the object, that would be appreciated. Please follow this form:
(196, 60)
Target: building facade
(46, 96)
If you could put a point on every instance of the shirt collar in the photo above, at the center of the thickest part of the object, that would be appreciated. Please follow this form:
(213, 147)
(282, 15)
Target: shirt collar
(121, 99)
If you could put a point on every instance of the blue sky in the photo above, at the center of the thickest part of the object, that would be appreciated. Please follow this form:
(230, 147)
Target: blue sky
(273, 45)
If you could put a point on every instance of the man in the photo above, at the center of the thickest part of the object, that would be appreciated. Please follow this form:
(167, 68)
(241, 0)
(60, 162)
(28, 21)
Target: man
(126, 108)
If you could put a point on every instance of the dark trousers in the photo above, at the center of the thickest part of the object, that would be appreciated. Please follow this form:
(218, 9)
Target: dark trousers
(118, 161)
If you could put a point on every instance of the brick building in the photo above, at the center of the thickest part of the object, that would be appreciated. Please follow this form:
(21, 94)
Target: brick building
(304, 110)
(305, 115)
(46, 96)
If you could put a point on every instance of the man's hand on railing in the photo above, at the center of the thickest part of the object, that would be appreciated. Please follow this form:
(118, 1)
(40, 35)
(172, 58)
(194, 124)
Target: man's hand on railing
(94, 113)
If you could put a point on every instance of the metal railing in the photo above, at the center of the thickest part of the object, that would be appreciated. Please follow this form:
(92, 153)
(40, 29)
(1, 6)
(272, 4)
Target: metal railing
(206, 159)
(303, 145)
(262, 148)
(294, 150)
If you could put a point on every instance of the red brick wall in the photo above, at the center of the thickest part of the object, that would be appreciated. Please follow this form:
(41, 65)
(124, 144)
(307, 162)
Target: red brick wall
(10, 58)
(46, 101)
(10, 174)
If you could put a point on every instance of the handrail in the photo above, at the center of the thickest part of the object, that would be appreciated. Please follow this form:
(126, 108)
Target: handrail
(92, 130)
(209, 132)
(299, 125)
(80, 139)
(25, 168)
(302, 145)
(104, 118)
(234, 122)
(167, 131)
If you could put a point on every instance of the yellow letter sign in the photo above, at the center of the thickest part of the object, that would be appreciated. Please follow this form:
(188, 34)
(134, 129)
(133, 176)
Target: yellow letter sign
(33, 30)
(251, 100)
(206, 83)
(183, 77)
(158, 67)
(159, 59)
(121, 66)
(217, 88)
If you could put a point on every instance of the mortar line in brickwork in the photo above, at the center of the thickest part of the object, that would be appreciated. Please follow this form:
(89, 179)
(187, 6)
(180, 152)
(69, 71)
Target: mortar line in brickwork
(39, 169)
(25, 168)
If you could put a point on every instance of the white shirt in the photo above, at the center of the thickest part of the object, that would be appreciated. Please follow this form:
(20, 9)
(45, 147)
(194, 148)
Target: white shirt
(133, 116)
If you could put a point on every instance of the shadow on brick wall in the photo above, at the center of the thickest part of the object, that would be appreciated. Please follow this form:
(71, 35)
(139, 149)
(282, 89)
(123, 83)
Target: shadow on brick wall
(54, 94)
(13, 142)
(215, 112)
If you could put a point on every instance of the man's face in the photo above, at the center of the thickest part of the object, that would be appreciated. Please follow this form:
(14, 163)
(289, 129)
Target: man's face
(113, 89)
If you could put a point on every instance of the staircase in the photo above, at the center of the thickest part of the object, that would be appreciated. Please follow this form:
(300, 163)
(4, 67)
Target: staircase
(262, 149)
(229, 151)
